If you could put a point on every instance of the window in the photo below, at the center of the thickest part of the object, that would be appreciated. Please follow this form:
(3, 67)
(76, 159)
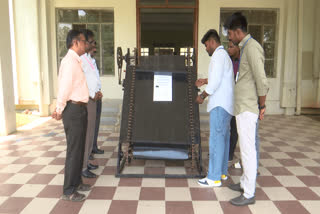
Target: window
(101, 22)
(184, 51)
(164, 51)
(144, 51)
(262, 25)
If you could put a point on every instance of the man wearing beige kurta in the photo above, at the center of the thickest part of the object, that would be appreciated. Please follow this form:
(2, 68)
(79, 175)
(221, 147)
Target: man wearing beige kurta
(249, 103)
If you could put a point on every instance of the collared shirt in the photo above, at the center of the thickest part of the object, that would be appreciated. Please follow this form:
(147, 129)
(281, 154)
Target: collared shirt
(252, 81)
(90, 73)
(72, 82)
(97, 70)
(220, 81)
(235, 64)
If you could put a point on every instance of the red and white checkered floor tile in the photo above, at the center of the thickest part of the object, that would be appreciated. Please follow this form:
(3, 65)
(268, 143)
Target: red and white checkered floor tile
(32, 167)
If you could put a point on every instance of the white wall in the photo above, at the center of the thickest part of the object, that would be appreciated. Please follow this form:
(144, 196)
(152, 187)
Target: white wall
(124, 34)
(209, 17)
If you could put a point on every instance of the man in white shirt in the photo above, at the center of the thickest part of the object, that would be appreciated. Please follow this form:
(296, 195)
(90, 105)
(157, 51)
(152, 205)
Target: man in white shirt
(94, 94)
(220, 84)
(95, 149)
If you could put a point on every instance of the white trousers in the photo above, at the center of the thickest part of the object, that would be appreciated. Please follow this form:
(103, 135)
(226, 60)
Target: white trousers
(246, 126)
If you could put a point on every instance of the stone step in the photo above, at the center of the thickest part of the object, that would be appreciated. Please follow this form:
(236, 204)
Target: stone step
(108, 109)
(203, 106)
(108, 120)
(111, 105)
(204, 117)
(110, 114)
(204, 126)
(310, 111)
(110, 128)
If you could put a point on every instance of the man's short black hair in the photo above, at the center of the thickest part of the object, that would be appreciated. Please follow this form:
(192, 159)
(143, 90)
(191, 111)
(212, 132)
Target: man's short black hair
(211, 34)
(236, 21)
(72, 35)
(87, 33)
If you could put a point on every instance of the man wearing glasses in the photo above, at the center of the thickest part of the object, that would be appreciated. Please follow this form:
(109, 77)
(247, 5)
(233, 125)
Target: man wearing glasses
(71, 107)
(95, 149)
(94, 94)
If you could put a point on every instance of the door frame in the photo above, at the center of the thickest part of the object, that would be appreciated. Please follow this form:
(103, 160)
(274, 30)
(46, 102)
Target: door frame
(166, 5)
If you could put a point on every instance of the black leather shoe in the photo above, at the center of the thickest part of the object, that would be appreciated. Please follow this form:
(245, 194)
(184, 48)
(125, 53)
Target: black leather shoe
(98, 151)
(236, 187)
(75, 197)
(242, 201)
(88, 174)
(84, 187)
(91, 157)
(92, 166)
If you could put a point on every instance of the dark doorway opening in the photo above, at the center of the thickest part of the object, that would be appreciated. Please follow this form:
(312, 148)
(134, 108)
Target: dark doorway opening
(167, 27)
(166, 31)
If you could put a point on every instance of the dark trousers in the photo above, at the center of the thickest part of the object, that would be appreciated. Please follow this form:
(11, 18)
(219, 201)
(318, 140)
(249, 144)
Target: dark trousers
(98, 116)
(233, 137)
(74, 119)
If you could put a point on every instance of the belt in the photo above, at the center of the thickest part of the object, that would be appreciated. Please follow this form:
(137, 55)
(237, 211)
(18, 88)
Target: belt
(78, 103)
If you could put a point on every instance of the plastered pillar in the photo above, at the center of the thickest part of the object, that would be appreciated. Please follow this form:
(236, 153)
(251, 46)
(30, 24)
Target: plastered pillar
(7, 106)
(316, 55)
(32, 39)
(289, 76)
(45, 84)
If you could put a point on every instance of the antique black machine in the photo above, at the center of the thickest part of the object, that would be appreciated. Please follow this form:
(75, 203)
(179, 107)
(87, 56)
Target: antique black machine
(160, 119)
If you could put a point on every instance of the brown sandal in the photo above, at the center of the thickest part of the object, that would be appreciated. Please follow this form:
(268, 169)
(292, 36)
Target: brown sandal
(75, 197)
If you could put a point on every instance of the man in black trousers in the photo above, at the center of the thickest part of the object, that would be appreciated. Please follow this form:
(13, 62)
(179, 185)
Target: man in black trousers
(95, 149)
(72, 99)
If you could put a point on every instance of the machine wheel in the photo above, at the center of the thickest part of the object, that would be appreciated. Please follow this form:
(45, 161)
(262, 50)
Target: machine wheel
(119, 62)
(119, 57)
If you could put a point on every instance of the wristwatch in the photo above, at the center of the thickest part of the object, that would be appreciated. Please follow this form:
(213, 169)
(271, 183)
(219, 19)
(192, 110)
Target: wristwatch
(262, 107)
(202, 96)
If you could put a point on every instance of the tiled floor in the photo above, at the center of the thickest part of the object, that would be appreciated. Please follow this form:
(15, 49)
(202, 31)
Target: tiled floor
(32, 167)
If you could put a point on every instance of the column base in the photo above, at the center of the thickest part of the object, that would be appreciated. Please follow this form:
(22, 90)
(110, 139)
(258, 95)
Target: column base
(289, 111)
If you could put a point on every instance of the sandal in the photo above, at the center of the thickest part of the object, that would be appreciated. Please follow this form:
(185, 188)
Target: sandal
(84, 187)
(75, 197)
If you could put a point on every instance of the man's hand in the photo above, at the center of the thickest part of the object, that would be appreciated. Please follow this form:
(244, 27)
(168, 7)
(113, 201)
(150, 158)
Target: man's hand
(261, 113)
(199, 100)
(201, 82)
(100, 95)
(56, 116)
(262, 103)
